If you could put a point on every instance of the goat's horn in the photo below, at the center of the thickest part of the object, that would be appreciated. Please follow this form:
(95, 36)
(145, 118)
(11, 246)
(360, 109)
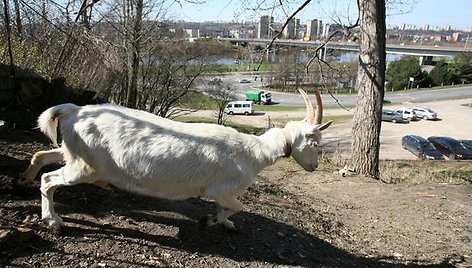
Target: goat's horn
(310, 116)
(319, 109)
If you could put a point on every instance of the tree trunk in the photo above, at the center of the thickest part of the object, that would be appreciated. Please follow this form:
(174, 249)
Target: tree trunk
(370, 88)
(134, 50)
(8, 36)
(19, 25)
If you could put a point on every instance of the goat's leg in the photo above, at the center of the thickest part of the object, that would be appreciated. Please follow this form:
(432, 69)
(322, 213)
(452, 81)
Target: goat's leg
(226, 207)
(39, 160)
(49, 183)
(65, 176)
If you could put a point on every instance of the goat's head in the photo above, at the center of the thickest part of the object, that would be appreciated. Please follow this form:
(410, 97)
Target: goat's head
(304, 137)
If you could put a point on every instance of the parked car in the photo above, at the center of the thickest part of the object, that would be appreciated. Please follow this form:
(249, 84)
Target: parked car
(425, 113)
(467, 144)
(407, 113)
(392, 116)
(244, 81)
(451, 148)
(421, 147)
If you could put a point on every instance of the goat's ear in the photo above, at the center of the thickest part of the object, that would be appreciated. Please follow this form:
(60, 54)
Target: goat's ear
(324, 126)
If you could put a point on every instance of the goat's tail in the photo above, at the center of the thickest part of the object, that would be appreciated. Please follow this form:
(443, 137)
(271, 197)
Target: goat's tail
(48, 121)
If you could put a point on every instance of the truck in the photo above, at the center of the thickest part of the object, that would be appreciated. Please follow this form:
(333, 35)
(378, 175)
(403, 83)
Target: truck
(259, 96)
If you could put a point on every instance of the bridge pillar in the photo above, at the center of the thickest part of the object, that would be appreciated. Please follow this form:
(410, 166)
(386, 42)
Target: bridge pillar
(271, 55)
(426, 60)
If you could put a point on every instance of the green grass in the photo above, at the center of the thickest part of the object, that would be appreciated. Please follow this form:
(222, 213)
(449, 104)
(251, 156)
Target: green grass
(192, 119)
(280, 108)
(198, 101)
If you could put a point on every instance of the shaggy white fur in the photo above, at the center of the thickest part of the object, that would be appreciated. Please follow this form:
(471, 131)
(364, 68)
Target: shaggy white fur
(139, 152)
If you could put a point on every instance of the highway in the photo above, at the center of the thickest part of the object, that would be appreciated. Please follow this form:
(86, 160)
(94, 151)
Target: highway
(350, 46)
(349, 100)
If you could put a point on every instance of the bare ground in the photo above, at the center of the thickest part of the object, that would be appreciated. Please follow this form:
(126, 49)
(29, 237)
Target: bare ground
(292, 218)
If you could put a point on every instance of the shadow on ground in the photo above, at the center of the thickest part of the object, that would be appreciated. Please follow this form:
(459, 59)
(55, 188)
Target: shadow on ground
(258, 239)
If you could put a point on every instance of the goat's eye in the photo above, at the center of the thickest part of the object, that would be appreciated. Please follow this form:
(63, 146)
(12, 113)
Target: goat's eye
(313, 144)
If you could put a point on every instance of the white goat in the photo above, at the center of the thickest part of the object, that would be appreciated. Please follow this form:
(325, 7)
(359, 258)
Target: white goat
(150, 155)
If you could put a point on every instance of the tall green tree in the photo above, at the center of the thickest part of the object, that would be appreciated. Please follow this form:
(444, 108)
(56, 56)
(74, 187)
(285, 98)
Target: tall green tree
(400, 71)
(440, 74)
(461, 68)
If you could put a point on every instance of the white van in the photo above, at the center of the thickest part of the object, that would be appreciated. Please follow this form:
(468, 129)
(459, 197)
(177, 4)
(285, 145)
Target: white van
(239, 107)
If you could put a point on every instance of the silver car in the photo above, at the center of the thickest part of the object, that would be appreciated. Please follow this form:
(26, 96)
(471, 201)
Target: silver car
(425, 113)
(393, 116)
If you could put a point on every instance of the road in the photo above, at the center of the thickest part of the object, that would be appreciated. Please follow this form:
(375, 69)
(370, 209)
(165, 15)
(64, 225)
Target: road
(420, 95)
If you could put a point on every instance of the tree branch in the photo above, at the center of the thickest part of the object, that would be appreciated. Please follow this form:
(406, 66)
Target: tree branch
(300, 8)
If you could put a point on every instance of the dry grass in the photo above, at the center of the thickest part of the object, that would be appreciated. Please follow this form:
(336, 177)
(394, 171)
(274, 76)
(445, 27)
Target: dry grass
(411, 171)
(417, 171)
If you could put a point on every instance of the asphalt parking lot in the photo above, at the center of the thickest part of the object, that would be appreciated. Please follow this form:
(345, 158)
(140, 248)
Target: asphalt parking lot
(454, 120)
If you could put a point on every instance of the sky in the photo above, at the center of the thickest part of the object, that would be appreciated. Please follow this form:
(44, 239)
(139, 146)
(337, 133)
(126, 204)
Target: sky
(457, 13)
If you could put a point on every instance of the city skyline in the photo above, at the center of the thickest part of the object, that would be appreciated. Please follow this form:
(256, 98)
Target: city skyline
(417, 12)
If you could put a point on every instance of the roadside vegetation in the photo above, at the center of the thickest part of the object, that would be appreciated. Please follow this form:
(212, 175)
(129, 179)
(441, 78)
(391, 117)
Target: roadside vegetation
(418, 171)
(413, 171)
(406, 73)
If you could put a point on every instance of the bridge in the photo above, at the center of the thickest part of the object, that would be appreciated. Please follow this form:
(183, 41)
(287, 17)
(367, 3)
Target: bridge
(426, 52)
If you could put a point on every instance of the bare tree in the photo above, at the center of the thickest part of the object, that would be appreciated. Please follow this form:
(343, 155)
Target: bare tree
(222, 94)
(9, 38)
(134, 11)
(369, 83)
(19, 24)
(169, 73)
(370, 88)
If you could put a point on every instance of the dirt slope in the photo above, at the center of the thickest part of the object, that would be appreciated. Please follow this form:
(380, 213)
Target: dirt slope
(292, 218)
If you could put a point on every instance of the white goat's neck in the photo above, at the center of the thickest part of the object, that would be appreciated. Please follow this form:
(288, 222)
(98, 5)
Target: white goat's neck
(275, 144)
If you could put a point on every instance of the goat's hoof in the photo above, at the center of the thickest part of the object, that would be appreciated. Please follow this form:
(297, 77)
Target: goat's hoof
(207, 221)
(229, 225)
(20, 182)
(54, 224)
(203, 222)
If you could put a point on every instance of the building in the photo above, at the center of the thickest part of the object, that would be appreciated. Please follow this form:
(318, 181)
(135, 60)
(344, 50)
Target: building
(314, 29)
(447, 28)
(292, 28)
(264, 27)
(455, 37)
(192, 33)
